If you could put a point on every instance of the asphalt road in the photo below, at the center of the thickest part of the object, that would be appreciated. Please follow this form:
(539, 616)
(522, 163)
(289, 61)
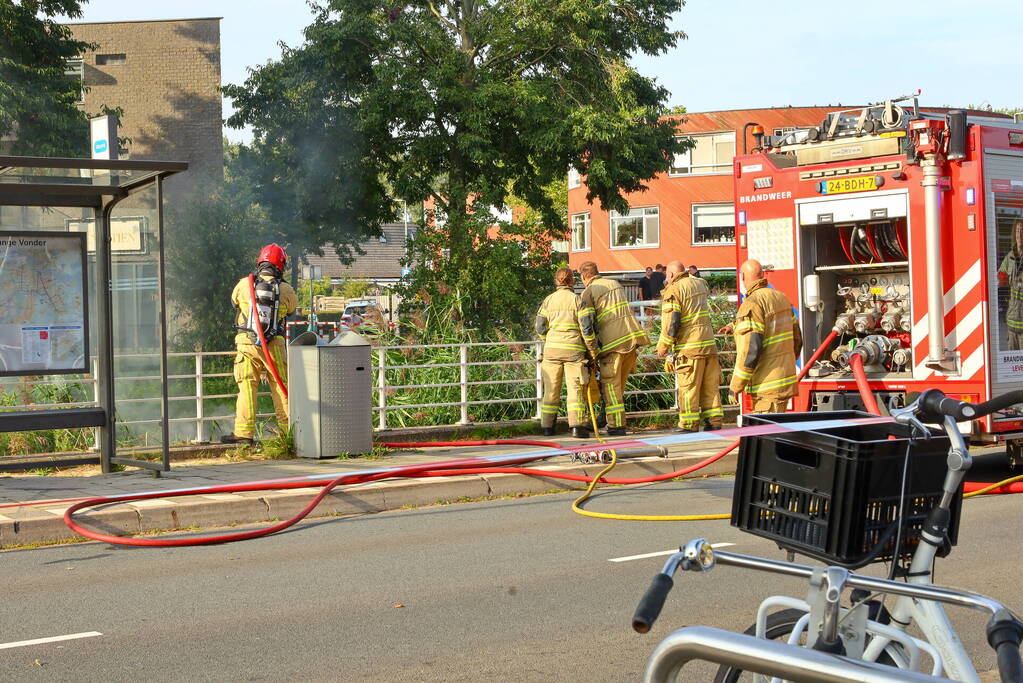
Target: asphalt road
(518, 590)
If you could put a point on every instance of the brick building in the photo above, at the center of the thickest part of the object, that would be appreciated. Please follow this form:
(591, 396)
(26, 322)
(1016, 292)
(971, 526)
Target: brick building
(165, 75)
(685, 214)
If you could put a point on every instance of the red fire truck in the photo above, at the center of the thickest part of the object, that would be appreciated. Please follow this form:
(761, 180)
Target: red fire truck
(898, 236)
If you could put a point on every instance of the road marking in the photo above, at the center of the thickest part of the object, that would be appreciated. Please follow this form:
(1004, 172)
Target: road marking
(661, 553)
(52, 639)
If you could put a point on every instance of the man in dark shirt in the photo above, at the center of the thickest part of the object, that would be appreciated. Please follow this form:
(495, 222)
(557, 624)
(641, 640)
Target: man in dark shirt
(645, 283)
(657, 281)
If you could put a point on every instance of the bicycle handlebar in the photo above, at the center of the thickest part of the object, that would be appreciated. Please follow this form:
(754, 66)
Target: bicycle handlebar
(934, 404)
(651, 603)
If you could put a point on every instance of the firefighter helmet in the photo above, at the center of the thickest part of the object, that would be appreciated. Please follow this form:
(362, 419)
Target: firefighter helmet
(274, 255)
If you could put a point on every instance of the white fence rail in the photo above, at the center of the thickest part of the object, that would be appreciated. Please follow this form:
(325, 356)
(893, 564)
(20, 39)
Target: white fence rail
(198, 414)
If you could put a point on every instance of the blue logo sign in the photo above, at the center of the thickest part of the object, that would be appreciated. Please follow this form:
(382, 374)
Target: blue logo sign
(99, 146)
(406, 271)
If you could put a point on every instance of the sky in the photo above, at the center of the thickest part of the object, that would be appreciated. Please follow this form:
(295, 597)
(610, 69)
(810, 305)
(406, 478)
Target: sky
(738, 55)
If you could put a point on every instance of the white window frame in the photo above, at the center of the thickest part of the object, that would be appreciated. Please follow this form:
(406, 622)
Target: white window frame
(74, 67)
(574, 178)
(692, 223)
(587, 222)
(702, 169)
(612, 227)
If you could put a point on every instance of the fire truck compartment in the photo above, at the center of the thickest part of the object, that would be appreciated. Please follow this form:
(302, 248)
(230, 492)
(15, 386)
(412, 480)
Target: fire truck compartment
(854, 261)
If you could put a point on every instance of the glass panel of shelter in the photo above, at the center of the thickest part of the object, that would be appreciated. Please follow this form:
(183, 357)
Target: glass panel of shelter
(138, 389)
(37, 391)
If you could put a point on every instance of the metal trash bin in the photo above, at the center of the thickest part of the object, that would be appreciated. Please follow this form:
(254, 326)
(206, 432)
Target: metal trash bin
(330, 392)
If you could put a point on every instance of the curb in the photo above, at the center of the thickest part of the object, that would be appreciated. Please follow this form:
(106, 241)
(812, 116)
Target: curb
(32, 525)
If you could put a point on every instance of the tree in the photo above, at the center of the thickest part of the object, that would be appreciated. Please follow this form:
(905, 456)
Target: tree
(460, 102)
(38, 102)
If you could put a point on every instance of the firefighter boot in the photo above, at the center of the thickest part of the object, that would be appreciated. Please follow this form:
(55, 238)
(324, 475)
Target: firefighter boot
(237, 440)
(580, 433)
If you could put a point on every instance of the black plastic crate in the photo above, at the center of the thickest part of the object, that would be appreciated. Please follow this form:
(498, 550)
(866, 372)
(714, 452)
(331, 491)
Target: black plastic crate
(833, 493)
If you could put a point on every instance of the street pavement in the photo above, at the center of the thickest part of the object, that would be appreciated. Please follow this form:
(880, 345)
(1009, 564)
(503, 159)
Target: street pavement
(520, 590)
(32, 507)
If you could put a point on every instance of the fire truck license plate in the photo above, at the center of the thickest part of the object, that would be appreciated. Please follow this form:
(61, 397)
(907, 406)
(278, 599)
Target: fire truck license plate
(855, 184)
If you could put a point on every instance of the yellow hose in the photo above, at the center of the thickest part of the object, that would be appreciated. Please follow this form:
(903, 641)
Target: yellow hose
(577, 503)
(992, 487)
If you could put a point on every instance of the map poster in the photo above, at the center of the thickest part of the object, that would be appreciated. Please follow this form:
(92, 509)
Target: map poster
(44, 320)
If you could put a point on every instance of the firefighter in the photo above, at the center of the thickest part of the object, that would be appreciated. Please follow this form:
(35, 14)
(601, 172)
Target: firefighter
(1010, 273)
(275, 300)
(619, 337)
(767, 341)
(686, 334)
(568, 334)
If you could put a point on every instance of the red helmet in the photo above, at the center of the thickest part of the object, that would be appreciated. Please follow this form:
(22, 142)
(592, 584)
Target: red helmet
(274, 255)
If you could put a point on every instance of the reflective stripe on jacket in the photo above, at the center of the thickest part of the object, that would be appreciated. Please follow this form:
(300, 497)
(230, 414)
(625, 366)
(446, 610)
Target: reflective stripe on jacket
(685, 318)
(618, 331)
(767, 341)
(560, 323)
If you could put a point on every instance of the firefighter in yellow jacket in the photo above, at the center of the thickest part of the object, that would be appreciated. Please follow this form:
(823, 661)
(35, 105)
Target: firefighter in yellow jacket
(686, 334)
(767, 341)
(619, 337)
(570, 343)
(275, 300)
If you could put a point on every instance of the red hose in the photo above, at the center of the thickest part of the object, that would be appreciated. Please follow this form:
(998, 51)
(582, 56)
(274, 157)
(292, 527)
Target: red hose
(262, 339)
(491, 442)
(817, 354)
(442, 469)
(869, 401)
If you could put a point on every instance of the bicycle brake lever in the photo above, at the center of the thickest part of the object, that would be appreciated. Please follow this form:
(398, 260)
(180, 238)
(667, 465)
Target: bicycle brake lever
(908, 416)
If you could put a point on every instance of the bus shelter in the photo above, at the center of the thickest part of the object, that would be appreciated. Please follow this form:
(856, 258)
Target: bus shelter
(82, 271)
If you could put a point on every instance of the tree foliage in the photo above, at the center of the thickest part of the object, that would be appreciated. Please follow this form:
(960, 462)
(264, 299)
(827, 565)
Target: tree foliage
(462, 103)
(219, 234)
(37, 100)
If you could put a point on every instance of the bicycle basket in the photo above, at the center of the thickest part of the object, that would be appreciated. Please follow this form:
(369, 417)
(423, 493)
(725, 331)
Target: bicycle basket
(833, 494)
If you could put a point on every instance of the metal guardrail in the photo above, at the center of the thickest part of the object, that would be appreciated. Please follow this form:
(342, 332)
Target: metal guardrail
(383, 387)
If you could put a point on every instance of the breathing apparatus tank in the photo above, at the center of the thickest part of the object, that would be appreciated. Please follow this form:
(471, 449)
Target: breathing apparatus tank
(264, 310)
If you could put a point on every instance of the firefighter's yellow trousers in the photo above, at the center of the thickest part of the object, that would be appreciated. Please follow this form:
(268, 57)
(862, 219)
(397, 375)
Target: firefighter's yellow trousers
(615, 369)
(768, 404)
(554, 373)
(249, 368)
(699, 393)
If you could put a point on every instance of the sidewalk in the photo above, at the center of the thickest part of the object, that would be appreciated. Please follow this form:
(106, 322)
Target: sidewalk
(23, 524)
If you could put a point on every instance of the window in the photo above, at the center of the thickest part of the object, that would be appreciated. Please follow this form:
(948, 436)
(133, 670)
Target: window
(502, 214)
(581, 231)
(74, 70)
(111, 60)
(637, 228)
(713, 153)
(713, 224)
(573, 178)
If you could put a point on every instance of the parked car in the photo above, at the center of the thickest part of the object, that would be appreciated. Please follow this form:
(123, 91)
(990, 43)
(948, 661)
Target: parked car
(363, 315)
